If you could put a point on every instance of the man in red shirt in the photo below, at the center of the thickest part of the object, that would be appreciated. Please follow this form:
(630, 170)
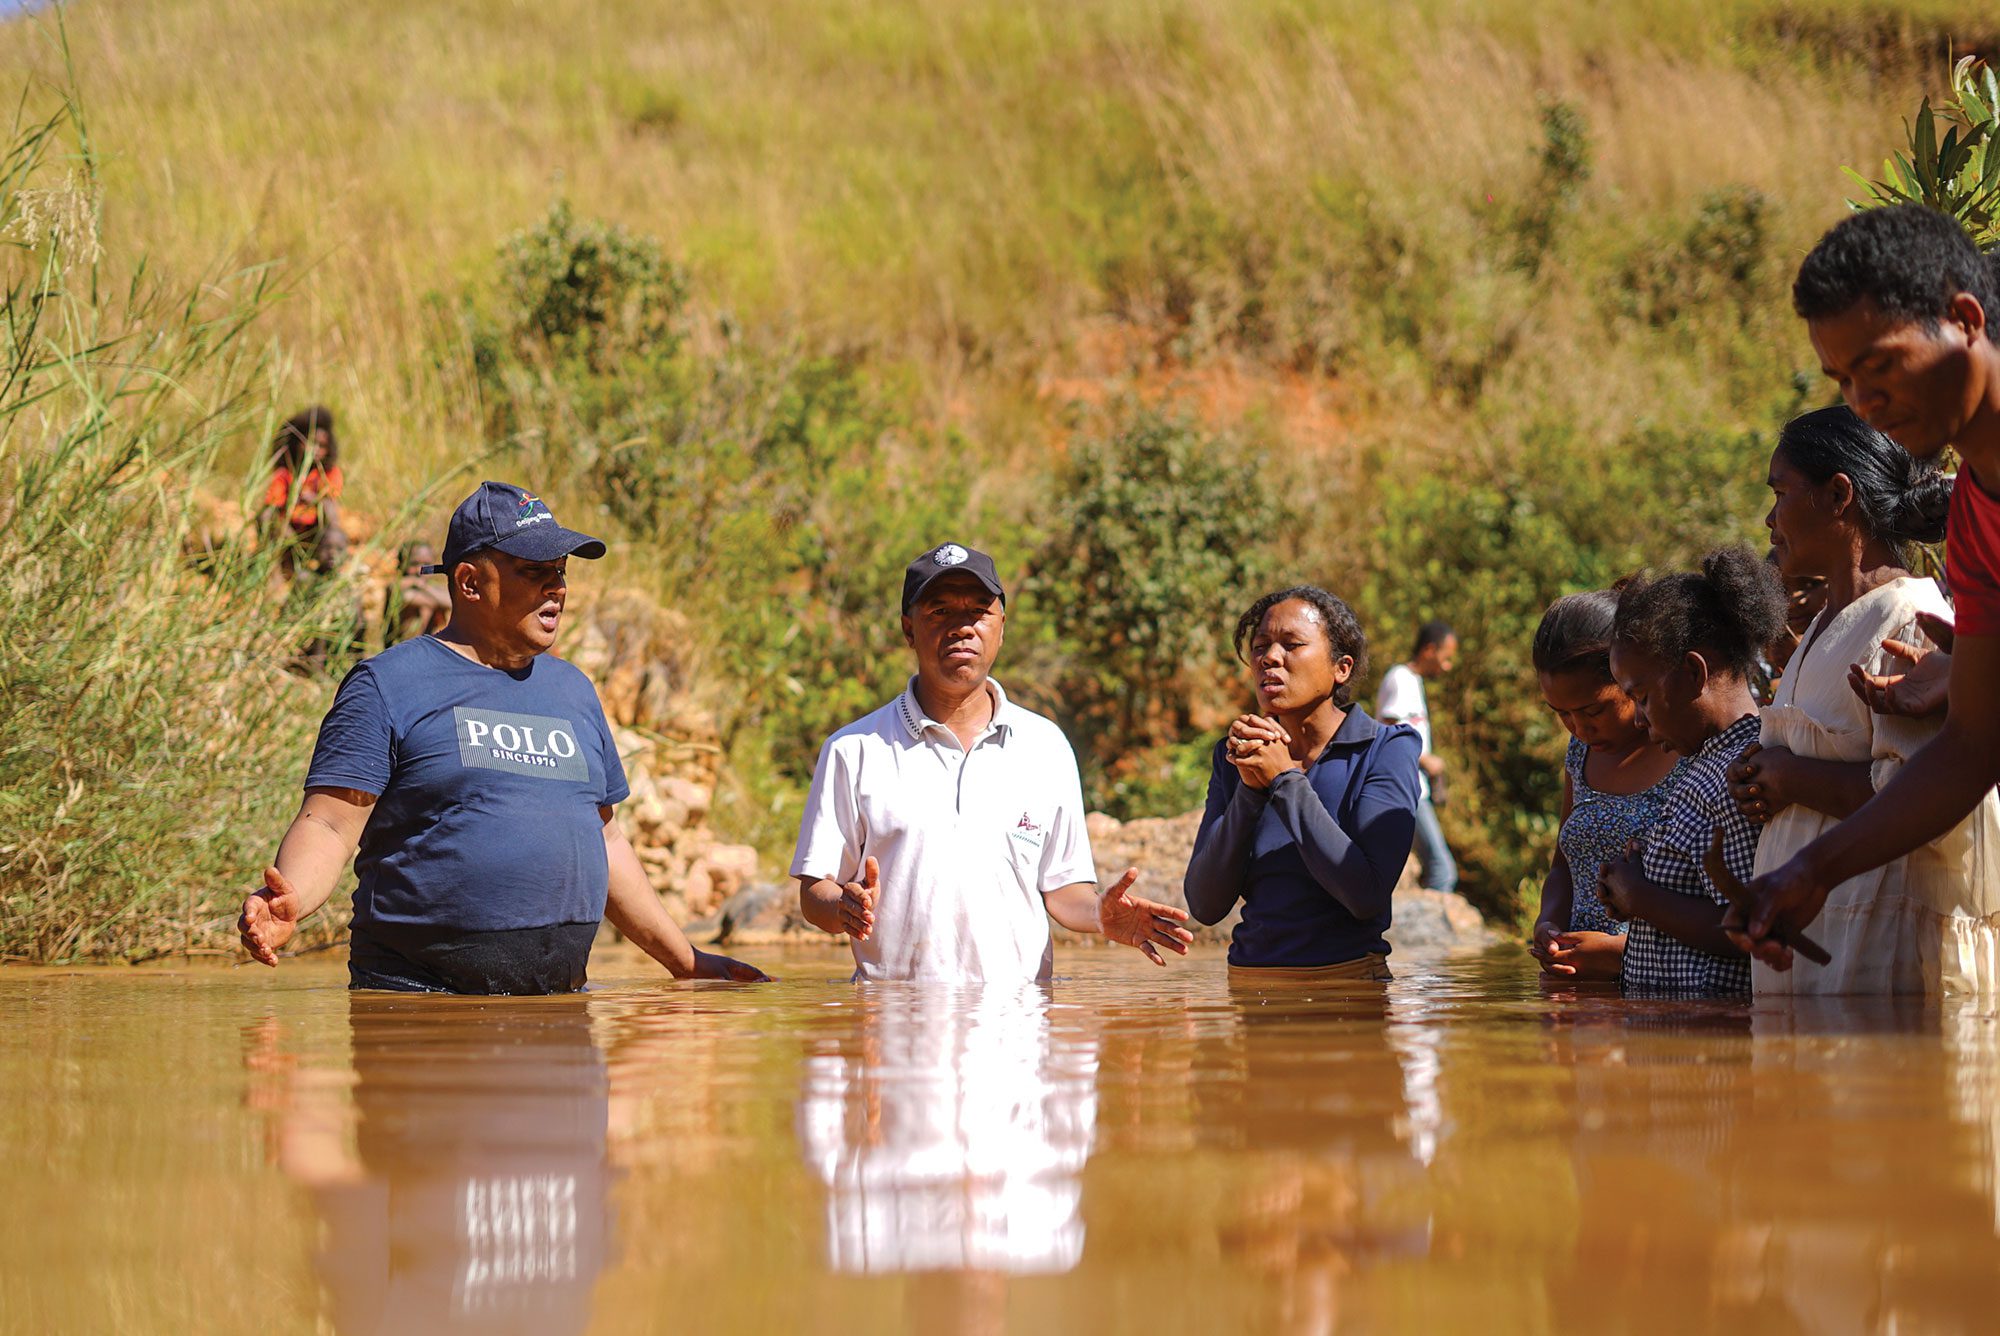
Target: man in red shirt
(1897, 302)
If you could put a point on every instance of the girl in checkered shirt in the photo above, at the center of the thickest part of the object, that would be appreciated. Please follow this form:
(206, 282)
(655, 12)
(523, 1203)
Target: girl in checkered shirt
(1684, 648)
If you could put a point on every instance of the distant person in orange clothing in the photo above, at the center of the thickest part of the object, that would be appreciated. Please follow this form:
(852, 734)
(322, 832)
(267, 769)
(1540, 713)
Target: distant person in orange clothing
(305, 489)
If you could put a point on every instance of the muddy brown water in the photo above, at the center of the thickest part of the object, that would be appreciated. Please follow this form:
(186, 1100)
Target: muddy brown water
(225, 1150)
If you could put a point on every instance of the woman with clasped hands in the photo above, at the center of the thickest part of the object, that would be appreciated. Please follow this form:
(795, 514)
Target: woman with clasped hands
(1311, 804)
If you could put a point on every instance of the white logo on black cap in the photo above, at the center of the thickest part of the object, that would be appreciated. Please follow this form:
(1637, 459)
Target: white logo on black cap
(951, 554)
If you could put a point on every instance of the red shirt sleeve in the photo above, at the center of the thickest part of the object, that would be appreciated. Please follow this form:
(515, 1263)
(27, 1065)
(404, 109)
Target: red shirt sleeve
(1972, 557)
(280, 489)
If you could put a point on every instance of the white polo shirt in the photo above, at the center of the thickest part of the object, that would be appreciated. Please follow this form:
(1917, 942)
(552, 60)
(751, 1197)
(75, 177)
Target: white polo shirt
(969, 840)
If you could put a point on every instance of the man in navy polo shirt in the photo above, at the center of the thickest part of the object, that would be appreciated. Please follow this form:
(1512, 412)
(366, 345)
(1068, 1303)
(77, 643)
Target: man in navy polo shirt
(478, 776)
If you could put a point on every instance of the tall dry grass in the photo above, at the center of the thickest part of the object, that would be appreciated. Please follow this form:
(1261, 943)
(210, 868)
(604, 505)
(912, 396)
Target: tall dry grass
(144, 710)
(950, 184)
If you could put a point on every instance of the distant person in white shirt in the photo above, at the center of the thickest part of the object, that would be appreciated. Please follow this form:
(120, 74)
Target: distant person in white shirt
(944, 830)
(1401, 701)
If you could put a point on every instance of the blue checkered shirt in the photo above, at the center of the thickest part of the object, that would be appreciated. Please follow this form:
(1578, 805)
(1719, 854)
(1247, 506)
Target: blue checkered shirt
(1698, 806)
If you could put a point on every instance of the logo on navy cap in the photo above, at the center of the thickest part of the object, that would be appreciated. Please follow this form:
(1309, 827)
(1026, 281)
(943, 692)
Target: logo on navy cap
(530, 510)
(951, 554)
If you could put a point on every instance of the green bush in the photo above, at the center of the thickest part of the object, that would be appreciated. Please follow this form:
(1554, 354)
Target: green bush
(1162, 534)
(1720, 262)
(775, 494)
(1562, 167)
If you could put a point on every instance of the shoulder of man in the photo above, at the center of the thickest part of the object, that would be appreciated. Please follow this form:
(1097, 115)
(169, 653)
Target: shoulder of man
(1036, 728)
(880, 723)
(404, 657)
(562, 671)
(1400, 680)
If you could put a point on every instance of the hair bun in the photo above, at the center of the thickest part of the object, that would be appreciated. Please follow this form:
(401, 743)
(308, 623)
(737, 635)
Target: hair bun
(1922, 509)
(1750, 594)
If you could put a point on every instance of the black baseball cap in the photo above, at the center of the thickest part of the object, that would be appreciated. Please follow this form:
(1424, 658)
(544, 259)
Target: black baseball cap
(513, 520)
(943, 560)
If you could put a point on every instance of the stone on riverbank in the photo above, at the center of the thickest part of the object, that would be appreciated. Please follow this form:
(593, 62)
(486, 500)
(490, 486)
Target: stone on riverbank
(1426, 921)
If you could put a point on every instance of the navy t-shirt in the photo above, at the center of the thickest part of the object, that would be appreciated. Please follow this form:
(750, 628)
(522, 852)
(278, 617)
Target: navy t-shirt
(488, 784)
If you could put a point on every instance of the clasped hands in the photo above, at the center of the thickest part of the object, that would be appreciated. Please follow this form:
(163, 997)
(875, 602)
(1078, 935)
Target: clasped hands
(1622, 884)
(1260, 748)
(1760, 782)
(1576, 955)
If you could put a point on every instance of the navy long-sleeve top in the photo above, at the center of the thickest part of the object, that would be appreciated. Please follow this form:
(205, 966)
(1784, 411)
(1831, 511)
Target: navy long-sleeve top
(1315, 857)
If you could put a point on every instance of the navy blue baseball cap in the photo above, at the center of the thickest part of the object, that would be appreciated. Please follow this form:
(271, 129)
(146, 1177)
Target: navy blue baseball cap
(947, 559)
(513, 520)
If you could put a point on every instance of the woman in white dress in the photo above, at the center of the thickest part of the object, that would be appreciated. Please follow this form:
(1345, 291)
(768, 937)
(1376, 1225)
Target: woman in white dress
(1847, 503)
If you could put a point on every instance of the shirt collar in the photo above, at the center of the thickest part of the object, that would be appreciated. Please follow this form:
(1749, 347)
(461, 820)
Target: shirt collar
(1735, 736)
(1358, 728)
(918, 723)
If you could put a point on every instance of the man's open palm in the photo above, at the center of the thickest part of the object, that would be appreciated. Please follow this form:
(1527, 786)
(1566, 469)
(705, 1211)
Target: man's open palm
(1923, 688)
(1141, 923)
(269, 917)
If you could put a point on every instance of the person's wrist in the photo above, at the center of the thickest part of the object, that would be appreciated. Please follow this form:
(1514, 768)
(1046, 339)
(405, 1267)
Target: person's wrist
(1818, 863)
(1639, 899)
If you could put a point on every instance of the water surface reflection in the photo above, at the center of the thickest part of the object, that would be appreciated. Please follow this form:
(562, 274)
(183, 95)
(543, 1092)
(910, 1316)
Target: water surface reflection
(950, 1126)
(1131, 1150)
(464, 1182)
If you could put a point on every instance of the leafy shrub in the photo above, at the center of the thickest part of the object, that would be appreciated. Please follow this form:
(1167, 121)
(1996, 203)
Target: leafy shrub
(1166, 780)
(1720, 262)
(774, 492)
(1958, 174)
(1562, 166)
(589, 287)
(1163, 535)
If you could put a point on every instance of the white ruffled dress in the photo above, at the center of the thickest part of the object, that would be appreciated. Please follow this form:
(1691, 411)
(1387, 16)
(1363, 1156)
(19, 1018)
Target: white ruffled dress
(1927, 923)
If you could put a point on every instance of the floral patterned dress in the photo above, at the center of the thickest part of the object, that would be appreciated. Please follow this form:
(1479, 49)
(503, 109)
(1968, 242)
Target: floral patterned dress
(1598, 828)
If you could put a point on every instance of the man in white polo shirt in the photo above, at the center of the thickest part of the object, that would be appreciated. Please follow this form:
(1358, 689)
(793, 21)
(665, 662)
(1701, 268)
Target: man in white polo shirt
(945, 829)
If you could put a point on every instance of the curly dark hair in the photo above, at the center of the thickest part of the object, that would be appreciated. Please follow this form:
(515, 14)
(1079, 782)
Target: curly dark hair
(1575, 634)
(1728, 611)
(288, 447)
(1901, 499)
(1909, 258)
(1336, 619)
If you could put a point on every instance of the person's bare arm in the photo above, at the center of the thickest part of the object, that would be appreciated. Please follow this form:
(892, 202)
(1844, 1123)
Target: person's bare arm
(1922, 689)
(1693, 920)
(1558, 896)
(635, 910)
(842, 907)
(1144, 925)
(1767, 780)
(1932, 793)
(311, 857)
